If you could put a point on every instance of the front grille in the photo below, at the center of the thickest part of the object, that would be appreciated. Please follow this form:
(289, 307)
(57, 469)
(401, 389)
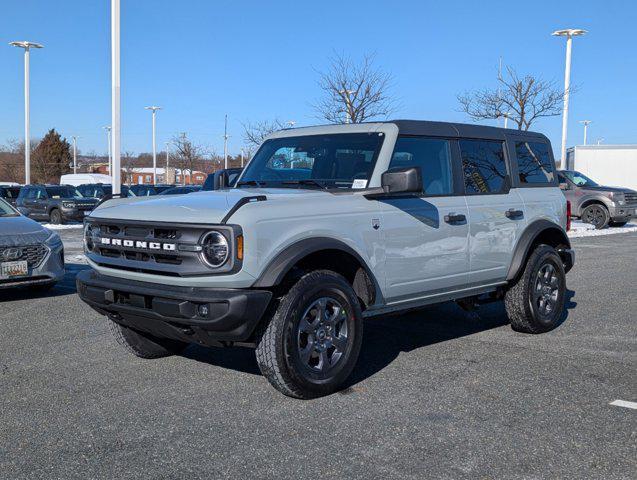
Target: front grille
(631, 198)
(33, 254)
(144, 247)
(85, 206)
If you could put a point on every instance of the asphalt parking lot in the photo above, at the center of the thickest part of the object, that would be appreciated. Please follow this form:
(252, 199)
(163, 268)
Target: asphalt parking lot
(438, 393)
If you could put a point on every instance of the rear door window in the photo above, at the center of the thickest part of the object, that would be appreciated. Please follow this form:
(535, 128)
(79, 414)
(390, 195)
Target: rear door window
(484, 166)
(535, 165)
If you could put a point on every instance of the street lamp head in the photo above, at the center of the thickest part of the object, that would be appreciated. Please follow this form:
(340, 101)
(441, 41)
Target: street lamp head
(153, 108)
(107, 128)
(569, 32)
(26, 45)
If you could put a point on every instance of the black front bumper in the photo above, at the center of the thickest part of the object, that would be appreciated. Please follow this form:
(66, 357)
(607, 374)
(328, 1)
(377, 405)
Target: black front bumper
(74, 214)
(195, 315)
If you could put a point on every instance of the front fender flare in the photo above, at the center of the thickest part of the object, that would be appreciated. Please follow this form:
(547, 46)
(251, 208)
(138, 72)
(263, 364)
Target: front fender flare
(278, 268)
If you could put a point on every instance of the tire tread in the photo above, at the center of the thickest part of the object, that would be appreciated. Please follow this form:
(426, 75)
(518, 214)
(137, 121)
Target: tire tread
(516, 299)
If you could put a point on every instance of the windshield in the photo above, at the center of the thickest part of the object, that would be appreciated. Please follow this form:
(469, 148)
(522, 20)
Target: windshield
(7, 210)
(343, 160)
(62, 191)
(579, 179)
(9, 192)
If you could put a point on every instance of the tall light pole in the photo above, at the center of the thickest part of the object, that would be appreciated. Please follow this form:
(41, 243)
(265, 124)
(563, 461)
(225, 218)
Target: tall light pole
(586, 123)
(27, 126)
(167, 158)
(110, 158)
(348, 104)
(242, 155)
(115, 99)
(506, 117)
(569, 34)
(74, 137)
(225, 144)
(154, 109)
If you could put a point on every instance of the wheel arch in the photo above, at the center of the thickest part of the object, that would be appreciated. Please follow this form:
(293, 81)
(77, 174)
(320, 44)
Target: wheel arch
(599, 200)
(536, 233)
(323, 253)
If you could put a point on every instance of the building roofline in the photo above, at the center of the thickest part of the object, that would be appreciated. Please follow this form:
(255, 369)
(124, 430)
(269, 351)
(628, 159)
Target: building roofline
(628, 146)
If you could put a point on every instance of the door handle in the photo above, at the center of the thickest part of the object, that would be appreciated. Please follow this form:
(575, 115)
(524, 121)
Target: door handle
(455, 218)
(513, 214)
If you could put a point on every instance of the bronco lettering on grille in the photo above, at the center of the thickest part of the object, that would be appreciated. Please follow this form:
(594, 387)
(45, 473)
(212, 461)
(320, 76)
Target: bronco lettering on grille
(138, 244)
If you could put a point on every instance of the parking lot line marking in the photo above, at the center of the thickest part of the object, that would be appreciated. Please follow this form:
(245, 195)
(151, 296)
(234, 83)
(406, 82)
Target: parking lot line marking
(624, 403)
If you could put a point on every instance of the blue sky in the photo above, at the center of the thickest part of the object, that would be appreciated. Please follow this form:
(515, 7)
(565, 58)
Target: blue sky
(257, 60)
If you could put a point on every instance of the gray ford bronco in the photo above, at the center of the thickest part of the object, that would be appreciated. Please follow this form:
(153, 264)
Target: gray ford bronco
(328, 226)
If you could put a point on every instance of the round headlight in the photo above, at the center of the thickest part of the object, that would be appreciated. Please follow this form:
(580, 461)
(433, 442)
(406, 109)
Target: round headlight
(215, 249)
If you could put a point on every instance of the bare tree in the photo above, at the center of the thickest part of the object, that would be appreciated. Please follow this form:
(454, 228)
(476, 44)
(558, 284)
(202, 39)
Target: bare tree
(521, 99)
(255, 132)
(12, 160)
(128, 164)
(354, 93)
(186, 156)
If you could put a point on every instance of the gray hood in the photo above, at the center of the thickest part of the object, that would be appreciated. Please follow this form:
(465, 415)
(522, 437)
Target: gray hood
(21, 231)
(200, 207)
(603, 188)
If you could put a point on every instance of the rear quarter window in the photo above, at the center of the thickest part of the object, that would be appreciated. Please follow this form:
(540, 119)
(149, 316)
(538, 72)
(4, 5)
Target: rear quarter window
(535, 163)
(484, 166)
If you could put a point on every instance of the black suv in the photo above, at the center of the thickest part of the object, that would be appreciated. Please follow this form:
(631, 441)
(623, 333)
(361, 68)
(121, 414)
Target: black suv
(100, 190)
(222, 179)
(55, 203)
(9, 193)
(144, 190)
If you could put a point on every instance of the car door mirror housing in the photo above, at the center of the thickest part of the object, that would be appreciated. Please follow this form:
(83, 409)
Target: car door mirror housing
(402, 180)
(563, 186)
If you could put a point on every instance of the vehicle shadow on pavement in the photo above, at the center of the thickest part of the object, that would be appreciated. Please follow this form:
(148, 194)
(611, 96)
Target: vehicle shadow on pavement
(234, 358)
(387, 337)
(64, 287)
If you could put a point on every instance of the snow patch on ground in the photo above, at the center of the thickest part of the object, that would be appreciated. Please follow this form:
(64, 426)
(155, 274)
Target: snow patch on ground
(52, 226)
(580, 229)
(76, 259)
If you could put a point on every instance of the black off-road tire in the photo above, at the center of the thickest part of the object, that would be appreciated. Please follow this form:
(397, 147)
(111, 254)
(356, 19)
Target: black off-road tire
(522, 310)
(278, 350)
(596, 214)
(55, 216)
(613, 223)
(144, 345)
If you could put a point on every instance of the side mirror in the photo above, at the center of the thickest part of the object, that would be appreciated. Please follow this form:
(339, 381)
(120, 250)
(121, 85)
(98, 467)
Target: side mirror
(402, 180)
(563, 186)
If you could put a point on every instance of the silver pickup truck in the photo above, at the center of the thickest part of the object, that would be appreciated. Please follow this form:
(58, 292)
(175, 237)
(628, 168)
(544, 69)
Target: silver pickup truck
(327, 226)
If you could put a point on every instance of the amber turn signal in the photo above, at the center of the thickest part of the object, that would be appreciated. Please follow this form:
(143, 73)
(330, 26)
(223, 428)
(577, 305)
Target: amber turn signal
(240, 247)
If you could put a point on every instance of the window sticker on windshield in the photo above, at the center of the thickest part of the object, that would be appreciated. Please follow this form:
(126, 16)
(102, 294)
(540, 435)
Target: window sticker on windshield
(359, 183)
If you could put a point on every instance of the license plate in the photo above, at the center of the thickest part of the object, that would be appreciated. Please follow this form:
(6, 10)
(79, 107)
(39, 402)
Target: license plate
(14, 269)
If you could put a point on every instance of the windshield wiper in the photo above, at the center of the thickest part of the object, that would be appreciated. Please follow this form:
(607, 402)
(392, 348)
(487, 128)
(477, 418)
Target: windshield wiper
(306, 181)
(250, 182)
